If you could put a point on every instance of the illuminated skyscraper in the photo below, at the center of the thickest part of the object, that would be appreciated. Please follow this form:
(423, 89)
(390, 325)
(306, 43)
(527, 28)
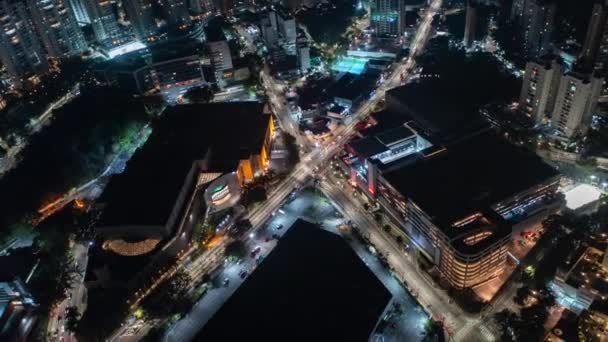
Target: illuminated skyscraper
(388, 17)
(177, 12)
(576, 101)
(57, 27)
(597, 22)
(595, 47)
(141, 18)
(535, 19)
(80, 12)
(539, 88)
(21, 51)
(105, 23)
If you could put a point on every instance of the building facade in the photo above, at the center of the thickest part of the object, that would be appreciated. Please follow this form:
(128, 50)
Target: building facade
(470, 24)
(221, 58)
(387, 17)
(177, 13)
(141, 18)
(21, 51)
(575, 103)
(303, 56)
(536, 22)
(595, 29)
(57, 27)
(108, 32)
(179, 72)
(80, 11)
(539, 88)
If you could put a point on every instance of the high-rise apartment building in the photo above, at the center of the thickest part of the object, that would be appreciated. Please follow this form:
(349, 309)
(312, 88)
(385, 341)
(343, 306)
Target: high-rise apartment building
(539, 88)
(80, 11)
(287, 26)
(177, 12)
(470, 24)
(535, 19)
(575, 103)
(517, 9)
(595, 29)
(388, 17)
(269, 32)
(225, 6)
(105, 23)
(595, 46)
(141, 18)
(21, 51)
(57, 28)
(303, 56)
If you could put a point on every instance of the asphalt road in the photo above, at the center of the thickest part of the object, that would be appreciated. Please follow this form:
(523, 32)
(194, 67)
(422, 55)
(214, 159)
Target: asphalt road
(319, 156)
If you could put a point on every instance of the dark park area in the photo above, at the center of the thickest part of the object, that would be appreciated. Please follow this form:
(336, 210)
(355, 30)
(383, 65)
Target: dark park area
(82, 140)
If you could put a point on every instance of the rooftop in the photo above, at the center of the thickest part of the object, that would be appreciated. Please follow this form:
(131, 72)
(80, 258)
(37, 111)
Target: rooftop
(446, 118)
(351, 86)
(301, 293)
(146, 192)
(469, 177)
(351, 65)
(581, 195)
(214, 30)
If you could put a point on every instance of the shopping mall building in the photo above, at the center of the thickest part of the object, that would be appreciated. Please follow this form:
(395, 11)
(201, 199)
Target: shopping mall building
(460, 198)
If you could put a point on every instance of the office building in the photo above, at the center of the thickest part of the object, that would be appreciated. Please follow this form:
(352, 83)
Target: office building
(57, 27)
(80, 11)
(21, 51)
(177, 13)
(535, 20)
(102, 14)
(387, 17)
(575, 103)
(141, 18)
(539, 88)
(470, 24)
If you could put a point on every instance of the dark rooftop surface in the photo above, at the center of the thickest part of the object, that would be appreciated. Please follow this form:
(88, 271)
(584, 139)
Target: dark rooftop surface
(145, 193)
(395, 135)
(446, 118)
(385, 120)
(351, 86)
(311, 287)
(470, 176)
(214, 31)
(367, 147)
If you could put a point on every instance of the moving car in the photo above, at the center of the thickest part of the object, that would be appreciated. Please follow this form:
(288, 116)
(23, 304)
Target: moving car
(255, 251)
